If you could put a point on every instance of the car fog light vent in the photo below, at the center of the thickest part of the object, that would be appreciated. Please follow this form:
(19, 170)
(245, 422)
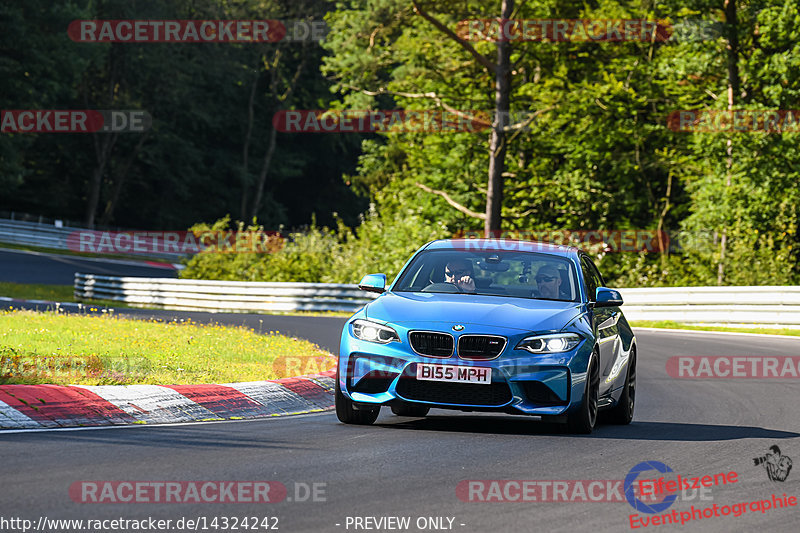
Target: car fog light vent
(540, 394)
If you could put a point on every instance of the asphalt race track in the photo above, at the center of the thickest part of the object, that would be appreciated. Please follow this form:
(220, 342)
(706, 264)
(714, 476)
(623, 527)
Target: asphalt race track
(404, 467)
(20, 266)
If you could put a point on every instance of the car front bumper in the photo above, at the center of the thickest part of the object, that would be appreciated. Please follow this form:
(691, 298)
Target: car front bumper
(521, 382)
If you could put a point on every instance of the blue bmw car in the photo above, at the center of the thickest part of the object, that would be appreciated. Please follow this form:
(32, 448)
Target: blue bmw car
(490, 325)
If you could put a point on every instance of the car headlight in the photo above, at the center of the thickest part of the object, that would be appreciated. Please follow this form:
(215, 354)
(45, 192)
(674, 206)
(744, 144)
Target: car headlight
(553, 343)
(374, 332)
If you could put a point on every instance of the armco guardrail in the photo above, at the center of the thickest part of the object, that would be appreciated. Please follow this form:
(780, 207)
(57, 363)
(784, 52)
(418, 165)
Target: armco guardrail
(50, 236)
(727, 305)
(32, 233)
(224, 296)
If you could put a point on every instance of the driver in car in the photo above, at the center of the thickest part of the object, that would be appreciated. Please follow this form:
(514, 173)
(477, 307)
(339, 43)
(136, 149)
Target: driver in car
(548, 282)
(459, 273)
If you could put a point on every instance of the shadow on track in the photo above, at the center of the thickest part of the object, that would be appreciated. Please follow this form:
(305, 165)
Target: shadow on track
(644, 431)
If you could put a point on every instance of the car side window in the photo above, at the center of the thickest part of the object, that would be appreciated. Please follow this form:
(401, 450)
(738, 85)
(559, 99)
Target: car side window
(588, 279)
(595, 273)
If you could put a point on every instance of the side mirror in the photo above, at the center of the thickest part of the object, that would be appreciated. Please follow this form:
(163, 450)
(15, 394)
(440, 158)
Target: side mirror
(605, 297)
(373, 283)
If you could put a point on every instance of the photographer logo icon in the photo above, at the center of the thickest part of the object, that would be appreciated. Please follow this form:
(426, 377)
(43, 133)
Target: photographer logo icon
(778, 466)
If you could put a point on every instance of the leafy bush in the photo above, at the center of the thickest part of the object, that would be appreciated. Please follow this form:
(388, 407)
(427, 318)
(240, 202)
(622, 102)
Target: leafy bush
(382, 243)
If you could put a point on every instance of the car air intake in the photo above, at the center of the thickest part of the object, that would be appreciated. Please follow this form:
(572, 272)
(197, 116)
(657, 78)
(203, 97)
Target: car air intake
(466, 394)
(480, 347)
(375, 382)
(493, 395)
(540, 394)
(431, 343)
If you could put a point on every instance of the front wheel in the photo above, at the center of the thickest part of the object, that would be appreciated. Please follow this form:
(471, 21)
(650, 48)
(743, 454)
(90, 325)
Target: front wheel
(622, 413)
(584, 420)
(348, 414)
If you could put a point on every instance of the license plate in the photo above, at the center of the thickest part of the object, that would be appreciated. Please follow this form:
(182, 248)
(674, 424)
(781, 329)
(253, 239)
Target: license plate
(453, 373)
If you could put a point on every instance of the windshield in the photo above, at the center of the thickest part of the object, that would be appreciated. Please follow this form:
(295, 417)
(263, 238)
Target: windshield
(495, 273)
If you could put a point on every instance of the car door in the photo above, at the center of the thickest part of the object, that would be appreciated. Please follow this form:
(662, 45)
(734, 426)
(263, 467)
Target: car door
(605, 321)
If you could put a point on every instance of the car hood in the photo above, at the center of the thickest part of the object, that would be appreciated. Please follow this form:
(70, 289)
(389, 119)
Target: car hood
(502, 312)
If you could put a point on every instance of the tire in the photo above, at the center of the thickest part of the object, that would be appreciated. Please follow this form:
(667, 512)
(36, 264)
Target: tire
(417, 411)
(584, 420)
(348, 414)
(622, 413)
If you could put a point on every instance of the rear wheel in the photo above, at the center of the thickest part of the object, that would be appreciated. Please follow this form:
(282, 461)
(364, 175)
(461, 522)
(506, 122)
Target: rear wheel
(348, 414)
(410, 410)
(622, 413)
(584, 420)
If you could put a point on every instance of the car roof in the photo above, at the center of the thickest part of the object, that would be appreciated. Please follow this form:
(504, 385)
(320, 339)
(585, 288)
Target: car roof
(501, 245)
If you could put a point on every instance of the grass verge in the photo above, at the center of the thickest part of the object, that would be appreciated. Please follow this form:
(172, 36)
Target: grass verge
(667, 324)
(30, 291)
(104, 350)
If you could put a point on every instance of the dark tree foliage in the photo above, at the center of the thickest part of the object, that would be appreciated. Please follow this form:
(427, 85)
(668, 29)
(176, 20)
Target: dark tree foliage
(597, 154)
(190, 165)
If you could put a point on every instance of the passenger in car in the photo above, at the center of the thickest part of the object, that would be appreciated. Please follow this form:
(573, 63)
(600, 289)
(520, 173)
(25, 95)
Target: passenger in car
(548, 281)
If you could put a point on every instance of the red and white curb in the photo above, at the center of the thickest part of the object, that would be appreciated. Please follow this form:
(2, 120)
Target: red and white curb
(53, 406)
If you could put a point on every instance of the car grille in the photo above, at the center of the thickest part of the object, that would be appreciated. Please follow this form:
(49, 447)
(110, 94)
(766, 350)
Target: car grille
(431, 343)
(410, 388)
(480, 347)
(540, 394)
